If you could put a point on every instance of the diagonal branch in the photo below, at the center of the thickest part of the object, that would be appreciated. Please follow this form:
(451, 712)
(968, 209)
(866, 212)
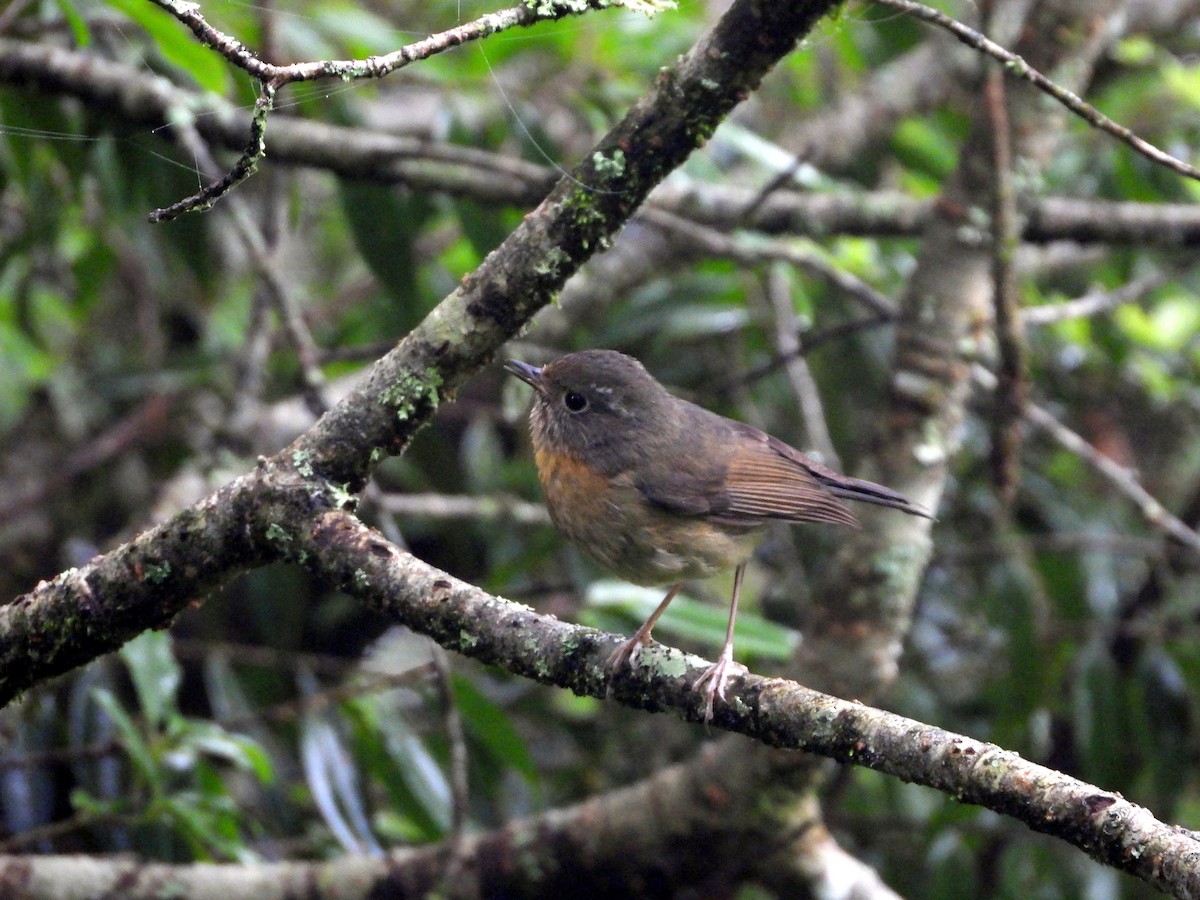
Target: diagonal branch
(1019, 68)
(777, 712)
(347, 554)
(1116, 474)
(255, 150)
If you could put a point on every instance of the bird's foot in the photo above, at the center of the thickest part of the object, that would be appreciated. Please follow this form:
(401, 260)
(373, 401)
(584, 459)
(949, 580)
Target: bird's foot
(712, 682)
(625, 656)
(627, 653)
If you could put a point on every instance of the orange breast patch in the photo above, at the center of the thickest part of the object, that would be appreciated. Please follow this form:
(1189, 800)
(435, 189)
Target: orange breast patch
(573, 489)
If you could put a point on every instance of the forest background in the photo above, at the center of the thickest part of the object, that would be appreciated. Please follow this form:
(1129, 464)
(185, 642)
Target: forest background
(864, 230)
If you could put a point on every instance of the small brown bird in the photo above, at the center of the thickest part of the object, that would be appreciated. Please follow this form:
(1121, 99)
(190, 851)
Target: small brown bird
(661, 491)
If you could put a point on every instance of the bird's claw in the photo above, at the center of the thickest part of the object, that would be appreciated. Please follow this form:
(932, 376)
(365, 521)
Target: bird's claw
(627, 653)
(717, 675)
(624, 655)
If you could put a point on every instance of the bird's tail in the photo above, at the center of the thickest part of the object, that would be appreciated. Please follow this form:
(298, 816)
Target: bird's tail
(845, 488)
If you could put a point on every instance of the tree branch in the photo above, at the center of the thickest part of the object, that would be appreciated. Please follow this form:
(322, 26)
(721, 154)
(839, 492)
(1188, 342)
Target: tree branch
(1019, 68)
(774, 711)
(1012, 380)
(779, 713)
(143, 98)
(636, 840)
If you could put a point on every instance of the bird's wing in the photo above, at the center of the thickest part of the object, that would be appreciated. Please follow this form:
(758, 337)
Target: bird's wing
(743, 475)
(766, 478)
(741, 482)
(843, 486)
(690, 487)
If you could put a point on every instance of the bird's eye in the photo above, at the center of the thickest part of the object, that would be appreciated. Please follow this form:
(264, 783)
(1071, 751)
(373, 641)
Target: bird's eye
(575, 402)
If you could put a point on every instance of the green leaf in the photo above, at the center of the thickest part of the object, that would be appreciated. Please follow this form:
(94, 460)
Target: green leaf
(333, 780)
(209, 829)
(243, 752)
(156, 674)
(1100, 719)
(1010, 597)
(1183, 82)
(385, 223)
(131, 738)
(421, 772)
(1135, 50)
(407, 814)
(178, 46)
(1170, 325)
(76, 22)
(84, 802)
(491, 726)
(22, 366)
(693, 620)
(922, 147)
(1166, 727)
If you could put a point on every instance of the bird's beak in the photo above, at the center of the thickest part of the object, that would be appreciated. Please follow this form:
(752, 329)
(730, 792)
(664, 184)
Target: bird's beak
(531, 375)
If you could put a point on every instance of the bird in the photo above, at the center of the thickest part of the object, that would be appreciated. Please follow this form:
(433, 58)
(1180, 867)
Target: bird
(661, 491)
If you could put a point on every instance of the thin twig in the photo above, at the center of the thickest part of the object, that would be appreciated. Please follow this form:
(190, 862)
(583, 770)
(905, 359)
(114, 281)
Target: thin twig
(272, 77)
(495, 507)
(143, 426)
(804, 387)
(1119, 476)
(57, 829)
(243, 57)
(255, 150)
(1011, 384)
(753, 252)
(1090, 304)
(10, 15)
(312, 379)
(1055, 542)
(1019, 68)
(781, 179)
(459, 786)
(276, 292)
(810, 341)
(250, 364)
(1094, 302)
(368, 352)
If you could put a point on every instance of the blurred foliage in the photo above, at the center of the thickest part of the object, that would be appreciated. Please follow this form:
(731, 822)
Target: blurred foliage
(282, 721)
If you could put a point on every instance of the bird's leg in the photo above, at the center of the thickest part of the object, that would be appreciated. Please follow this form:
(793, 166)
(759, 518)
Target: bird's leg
(717, 674)
(628, 651)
